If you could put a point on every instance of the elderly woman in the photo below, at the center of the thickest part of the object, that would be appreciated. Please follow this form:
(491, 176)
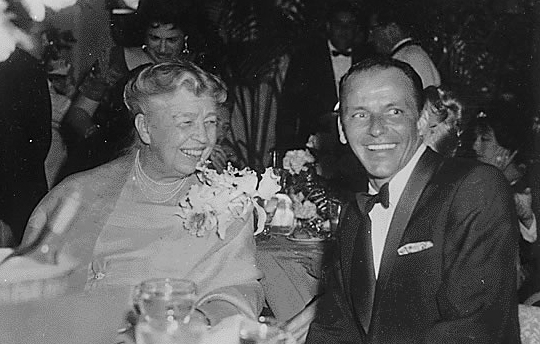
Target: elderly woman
(126, 228)
(442, 119)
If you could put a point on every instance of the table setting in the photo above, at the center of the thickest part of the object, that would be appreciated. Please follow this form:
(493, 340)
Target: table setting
(296, 244)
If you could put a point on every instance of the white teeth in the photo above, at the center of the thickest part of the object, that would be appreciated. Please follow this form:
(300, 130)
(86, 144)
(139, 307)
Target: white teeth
(192, 152)
(382, 146)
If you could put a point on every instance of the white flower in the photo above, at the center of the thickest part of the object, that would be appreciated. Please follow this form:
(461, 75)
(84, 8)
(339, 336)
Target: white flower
(305, 210)
(222, 198)
(314, 141)
(269, 184)
(296, 160)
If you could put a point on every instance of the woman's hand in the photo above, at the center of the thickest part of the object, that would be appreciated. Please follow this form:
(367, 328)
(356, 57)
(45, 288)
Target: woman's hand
(524, 207)
(503, 158)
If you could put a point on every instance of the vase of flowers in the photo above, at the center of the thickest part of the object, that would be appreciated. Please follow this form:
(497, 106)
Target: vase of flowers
(306, 190)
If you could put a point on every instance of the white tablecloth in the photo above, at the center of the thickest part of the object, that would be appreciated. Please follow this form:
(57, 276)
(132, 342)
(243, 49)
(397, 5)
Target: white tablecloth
(291, 272)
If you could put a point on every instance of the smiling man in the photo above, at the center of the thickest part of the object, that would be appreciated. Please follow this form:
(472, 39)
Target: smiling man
(432, 257)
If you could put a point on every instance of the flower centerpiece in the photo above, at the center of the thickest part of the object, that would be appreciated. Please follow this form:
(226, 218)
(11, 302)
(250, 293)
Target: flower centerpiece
(306, 189)
(220, 199)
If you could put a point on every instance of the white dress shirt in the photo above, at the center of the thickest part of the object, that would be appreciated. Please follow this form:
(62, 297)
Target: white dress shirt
(380, 217)
(340, 65)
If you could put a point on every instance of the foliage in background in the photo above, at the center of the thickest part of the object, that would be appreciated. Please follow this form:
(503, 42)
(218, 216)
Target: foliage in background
(482, 50)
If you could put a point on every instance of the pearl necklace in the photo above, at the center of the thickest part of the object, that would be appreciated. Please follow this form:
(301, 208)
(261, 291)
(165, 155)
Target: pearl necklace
(150, 186)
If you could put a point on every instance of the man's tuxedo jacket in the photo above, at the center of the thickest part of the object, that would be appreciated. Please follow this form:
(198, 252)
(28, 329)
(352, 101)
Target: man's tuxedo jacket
(462, 289)
(309, 92)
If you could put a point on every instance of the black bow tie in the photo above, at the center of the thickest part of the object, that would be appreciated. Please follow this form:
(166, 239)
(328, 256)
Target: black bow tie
(368, 201)
(344, 53)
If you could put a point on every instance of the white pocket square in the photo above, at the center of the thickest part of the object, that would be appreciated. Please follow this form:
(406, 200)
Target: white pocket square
(414, 247)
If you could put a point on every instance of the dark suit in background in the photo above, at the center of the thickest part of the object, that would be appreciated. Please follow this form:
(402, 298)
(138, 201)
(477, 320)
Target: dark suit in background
(306, 107)
(25, 138)
(461, 290)
(309, 92)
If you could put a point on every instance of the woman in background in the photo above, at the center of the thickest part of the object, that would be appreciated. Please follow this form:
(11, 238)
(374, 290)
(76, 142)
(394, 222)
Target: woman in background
(501, 139)
(442, 115)
(97, 120)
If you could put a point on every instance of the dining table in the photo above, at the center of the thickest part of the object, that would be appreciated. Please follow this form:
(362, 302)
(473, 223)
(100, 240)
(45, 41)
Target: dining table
(293, 271)
(86, 318)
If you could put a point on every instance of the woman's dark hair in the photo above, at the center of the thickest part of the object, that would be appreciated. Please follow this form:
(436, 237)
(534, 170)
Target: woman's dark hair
(507, 122)
(153, 13)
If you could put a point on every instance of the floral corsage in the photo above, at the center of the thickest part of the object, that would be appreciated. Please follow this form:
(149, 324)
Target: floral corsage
(222, 198)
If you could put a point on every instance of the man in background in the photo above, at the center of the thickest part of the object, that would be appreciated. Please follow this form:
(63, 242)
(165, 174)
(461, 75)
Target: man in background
(310, 90)
(390, 32)
(25, 136)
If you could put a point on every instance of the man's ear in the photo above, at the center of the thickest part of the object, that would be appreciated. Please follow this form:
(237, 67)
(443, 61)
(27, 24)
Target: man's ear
(342, 137)
(142, 128)
(423, 124)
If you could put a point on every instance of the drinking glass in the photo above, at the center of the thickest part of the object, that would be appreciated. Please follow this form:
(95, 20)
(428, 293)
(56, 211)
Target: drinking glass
(165, 307)
(334, 214)
(265, 331)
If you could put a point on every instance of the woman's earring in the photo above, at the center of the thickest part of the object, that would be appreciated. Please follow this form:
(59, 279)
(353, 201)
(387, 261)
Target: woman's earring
(143, 47)
(185, 51)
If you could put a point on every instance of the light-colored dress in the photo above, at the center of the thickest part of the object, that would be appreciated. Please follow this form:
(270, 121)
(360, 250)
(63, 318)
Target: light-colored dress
(120, 238)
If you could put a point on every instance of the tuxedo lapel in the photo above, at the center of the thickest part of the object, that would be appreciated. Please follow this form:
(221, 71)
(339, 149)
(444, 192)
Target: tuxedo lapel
(352, 223)
(358, 268)
(422, 173)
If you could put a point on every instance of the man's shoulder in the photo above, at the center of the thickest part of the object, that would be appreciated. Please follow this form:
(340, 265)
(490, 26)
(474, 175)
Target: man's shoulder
(312, 47)
(458, 170)
(410, 51)
(363, 51)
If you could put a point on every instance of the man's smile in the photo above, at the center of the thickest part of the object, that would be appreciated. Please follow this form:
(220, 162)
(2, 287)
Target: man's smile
(381, 147)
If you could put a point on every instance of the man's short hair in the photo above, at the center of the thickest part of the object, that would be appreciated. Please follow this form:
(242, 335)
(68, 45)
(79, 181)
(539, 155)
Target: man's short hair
(396, 13)
(166, 78)
(383, 63)
(340, 6)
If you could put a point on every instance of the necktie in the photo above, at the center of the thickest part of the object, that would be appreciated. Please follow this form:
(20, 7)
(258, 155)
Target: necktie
(383, 197)
(346, 53)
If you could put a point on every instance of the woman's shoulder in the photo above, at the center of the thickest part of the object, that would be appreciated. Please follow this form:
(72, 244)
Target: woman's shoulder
(134, 57)
(111, 173)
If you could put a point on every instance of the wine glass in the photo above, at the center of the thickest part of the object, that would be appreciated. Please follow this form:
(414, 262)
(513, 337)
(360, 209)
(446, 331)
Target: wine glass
(165, 307)
(266, 331)
(334, 214)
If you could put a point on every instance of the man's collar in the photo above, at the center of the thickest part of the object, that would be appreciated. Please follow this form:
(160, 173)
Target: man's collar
(398, 182)
(400, 43)
(333, 48)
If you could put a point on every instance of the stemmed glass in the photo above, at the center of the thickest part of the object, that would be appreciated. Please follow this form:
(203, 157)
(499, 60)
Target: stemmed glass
(165, 307)
(266, 331)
